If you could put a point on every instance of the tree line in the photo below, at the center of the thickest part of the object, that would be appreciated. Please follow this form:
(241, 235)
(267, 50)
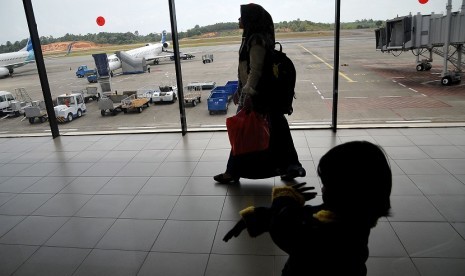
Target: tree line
(223, 29)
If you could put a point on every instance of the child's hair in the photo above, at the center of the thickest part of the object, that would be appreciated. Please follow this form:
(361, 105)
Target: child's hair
(357, 181)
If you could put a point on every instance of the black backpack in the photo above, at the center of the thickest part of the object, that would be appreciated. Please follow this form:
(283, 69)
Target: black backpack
(275, 90)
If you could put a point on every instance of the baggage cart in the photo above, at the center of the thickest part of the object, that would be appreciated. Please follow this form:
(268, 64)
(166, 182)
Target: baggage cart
(193, 94)
(134, 103)
(110, 103)
(36, 110)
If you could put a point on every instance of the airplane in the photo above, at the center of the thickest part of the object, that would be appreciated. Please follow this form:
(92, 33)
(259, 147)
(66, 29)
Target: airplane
(151, 53)
(9, 61)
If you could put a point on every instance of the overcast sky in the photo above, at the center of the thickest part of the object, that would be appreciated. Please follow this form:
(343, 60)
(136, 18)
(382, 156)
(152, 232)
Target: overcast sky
(58, 17)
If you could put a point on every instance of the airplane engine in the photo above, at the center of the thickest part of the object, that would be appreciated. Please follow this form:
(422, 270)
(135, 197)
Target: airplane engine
(4, 72)
(166, 45)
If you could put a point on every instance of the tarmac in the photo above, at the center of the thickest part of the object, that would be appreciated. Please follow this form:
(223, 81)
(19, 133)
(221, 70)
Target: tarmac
(375, 89)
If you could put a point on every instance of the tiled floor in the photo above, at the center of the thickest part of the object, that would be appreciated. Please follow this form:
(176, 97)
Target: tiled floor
(146, 204)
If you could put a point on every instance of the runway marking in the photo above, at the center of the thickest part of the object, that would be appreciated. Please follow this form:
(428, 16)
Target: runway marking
(405, 86)
(390, 96)
(327, 64)
(318, 91)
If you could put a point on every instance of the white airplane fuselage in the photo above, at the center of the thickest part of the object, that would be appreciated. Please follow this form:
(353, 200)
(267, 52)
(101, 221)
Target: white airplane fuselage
(151, 52)
(9, 61)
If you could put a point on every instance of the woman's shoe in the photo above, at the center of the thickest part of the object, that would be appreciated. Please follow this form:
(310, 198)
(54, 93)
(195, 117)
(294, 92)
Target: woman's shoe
(225, 178)
(293, 173)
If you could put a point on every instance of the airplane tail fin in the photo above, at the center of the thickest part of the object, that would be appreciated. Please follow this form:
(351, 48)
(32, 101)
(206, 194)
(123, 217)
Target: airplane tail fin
(163, 40)
(163, 37)
(30, 50)
(28, 46)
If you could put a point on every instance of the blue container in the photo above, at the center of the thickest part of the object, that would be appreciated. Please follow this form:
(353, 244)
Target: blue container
(218, 102)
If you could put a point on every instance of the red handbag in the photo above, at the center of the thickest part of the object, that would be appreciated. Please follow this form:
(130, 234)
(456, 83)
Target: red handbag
(248, 131)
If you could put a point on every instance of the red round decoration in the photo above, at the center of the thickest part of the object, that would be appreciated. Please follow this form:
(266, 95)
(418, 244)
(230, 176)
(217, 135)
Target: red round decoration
(423, 1)
(101, 20)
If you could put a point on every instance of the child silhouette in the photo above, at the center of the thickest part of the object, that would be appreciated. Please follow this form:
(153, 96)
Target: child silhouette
(331, 238)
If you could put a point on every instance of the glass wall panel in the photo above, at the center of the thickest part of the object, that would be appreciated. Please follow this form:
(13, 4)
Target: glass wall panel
(377, 85)
(22, 106)
(382, 80)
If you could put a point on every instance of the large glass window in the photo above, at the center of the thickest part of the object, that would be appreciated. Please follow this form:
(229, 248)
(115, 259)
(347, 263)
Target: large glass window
(376, 86)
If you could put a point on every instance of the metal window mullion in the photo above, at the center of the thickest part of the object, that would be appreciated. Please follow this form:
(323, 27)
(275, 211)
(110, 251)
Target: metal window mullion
(31, 22)
(336, 64)
(177, 63)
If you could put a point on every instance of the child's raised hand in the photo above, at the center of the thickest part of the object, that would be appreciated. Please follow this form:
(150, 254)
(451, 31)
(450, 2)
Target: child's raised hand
(303, 190)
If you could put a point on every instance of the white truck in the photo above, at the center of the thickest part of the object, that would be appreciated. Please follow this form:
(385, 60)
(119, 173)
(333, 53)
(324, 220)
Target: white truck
(9, 105)
(69, 106)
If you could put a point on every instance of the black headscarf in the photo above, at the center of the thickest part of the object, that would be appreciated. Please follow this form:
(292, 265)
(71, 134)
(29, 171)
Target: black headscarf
(258, 24)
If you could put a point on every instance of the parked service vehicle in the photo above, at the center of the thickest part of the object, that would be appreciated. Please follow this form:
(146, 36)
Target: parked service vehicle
(220, 96)
(92, 78)
(203, 85)
(183, 56)
(218, 102)
(90, 93)
(36, 110)
(83, 71)
(69, 106)
(134, 103)
(193, 94)
(165, 94)
(6, 98)
(110, 103)
(207, 58)
(9, 105)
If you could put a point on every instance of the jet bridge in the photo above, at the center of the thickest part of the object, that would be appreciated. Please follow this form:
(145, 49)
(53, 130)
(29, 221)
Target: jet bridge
(443, 35)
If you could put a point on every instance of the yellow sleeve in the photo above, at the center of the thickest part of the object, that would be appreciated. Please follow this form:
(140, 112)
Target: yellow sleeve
(288, 192)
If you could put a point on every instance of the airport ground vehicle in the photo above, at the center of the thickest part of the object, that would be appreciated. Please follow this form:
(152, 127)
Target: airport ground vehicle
(111, 103)
(203, 85)
(229, 90)
(83, 71)
(207, 58)
(10, 106)
(220, 97)
(7, 103)
(165, 94)
(69, 106)
(183, 56)
(133, 103)
(36, 110)
(218, 102)
(90, 93)
(92, 78)
(193, 94)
